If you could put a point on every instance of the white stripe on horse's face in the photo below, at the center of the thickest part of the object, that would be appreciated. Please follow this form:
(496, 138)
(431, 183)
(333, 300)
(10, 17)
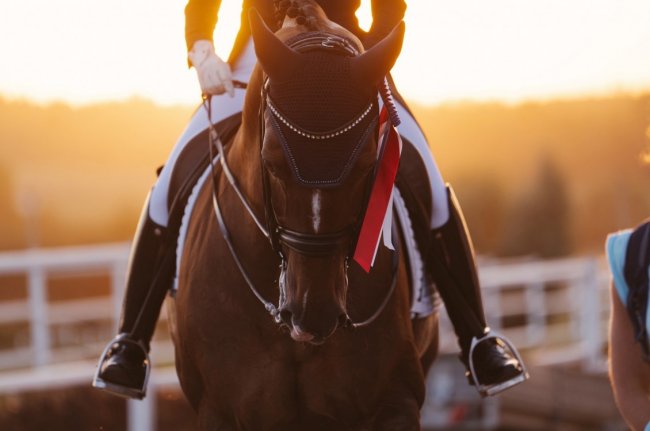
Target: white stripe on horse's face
(315, 210)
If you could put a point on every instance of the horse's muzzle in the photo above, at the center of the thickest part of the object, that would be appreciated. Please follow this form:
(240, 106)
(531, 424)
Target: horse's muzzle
(313, 331)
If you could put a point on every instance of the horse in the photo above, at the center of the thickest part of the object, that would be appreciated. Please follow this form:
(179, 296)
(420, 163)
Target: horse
(277, 222)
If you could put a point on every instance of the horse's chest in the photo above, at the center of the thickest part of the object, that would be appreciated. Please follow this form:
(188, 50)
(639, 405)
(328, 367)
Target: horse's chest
(340, 383)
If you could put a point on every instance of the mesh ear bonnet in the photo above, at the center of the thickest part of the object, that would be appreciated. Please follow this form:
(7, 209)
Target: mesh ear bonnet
(323, 99)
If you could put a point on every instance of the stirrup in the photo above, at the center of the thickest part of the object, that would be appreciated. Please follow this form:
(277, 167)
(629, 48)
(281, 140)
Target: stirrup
(117, 389)
(490, 390)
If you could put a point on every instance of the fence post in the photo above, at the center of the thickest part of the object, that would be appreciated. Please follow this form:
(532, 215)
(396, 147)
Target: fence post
(536, 310)
(39, 328)
(141, 414)
(492, 305)
(118, 276)
(590, 317)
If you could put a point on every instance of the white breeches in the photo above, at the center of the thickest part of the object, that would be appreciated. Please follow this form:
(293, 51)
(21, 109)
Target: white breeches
(223, 106)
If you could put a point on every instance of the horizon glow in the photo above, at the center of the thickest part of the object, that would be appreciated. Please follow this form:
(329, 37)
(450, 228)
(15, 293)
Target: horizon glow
(82, 52)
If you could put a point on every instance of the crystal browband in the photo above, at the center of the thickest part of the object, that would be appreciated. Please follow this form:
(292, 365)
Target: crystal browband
(316, 135)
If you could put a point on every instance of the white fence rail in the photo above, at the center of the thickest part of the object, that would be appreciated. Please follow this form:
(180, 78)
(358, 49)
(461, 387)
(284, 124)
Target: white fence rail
(554, 311)
(36, 268)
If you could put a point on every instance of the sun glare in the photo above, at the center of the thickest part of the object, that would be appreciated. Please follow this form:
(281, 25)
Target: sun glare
(506, 50)
(364, 15)
(512, 50)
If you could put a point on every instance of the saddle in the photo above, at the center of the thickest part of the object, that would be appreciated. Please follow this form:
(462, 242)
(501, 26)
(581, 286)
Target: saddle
(191, 163)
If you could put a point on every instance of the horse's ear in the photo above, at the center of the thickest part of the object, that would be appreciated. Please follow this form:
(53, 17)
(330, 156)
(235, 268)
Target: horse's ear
(374, 64)
(276, 58)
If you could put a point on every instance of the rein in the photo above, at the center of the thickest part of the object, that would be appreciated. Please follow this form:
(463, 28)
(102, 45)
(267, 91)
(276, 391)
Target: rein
(306, 244)
(214, 140)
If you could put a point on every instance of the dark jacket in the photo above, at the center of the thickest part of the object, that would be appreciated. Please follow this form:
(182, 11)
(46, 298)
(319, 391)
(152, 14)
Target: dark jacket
(201, 18)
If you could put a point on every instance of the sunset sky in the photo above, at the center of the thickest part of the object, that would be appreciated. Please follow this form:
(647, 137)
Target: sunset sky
(84, 51)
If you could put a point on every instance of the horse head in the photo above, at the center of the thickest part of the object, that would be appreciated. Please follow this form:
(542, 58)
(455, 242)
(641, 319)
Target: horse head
(319, 150)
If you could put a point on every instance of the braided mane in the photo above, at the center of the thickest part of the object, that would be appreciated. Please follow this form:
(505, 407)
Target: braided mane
(292, 9)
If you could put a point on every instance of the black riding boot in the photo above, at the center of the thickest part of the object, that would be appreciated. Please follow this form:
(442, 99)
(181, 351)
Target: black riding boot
(124, 366)
(493, 365)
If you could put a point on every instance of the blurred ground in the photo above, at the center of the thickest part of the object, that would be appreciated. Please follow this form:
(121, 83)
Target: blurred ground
(85, 408)
(554, 399)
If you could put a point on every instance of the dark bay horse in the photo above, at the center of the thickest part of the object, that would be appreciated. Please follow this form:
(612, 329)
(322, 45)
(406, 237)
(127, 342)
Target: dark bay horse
(276, 226)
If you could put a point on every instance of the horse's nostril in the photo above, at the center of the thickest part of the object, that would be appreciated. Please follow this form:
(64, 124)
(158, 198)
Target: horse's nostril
(285, 316)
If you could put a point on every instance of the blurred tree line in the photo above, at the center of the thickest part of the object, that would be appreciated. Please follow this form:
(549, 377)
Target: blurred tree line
(545, 178)
(537, 179)
(13, 233)
(534, 222)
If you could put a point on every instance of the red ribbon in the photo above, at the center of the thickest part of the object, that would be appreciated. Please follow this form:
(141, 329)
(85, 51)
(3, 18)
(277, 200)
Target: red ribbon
(380, 196)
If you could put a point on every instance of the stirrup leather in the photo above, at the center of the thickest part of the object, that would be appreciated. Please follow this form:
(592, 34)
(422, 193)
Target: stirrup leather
(490, 390)
(117, 389)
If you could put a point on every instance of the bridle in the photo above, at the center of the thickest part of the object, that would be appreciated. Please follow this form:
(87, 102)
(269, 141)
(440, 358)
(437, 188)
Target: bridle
(278, 235)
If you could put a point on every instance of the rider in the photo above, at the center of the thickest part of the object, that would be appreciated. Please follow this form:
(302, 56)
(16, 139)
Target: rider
(628, 253)
(442, 234)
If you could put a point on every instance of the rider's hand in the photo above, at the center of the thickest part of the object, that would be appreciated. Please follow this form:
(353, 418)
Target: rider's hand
(214, 73)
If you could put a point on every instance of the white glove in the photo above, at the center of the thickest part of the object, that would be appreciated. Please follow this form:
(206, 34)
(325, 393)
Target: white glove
(214, 73)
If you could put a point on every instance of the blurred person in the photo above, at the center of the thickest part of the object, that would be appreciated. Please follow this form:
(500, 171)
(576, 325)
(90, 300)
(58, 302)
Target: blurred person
(628, 254)
(492, 364)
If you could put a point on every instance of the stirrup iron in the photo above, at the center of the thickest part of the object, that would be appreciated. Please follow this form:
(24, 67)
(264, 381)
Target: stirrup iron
(494, 389)
(116, 389)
